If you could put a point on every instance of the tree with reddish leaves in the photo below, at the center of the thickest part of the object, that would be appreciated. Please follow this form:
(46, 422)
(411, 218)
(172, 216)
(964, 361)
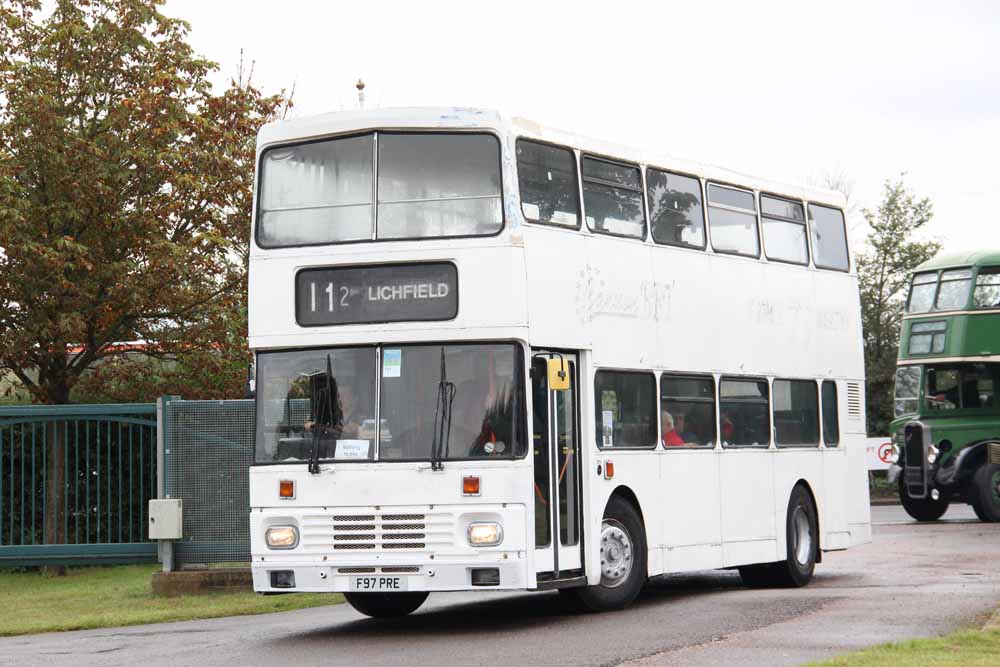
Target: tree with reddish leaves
(125, 202)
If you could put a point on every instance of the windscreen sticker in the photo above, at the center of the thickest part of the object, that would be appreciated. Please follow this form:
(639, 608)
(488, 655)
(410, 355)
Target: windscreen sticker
(608, 419)
(352, 449)
(392, 363)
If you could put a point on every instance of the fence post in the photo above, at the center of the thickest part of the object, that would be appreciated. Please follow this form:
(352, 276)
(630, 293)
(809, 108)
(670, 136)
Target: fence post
(164, 548)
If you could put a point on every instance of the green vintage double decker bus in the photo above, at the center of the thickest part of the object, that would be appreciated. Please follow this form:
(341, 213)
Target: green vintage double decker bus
(946, 433)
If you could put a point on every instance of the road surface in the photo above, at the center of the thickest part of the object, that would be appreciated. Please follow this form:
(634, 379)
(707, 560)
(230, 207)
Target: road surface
(912, 580)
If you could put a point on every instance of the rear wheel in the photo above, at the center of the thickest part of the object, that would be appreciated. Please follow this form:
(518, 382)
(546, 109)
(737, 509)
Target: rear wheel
(623, 560)
(802, 548)
(386, 605)
(922, 509)
(985, 493)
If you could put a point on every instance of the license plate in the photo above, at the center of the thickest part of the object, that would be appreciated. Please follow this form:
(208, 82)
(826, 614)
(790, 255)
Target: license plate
(378, 584)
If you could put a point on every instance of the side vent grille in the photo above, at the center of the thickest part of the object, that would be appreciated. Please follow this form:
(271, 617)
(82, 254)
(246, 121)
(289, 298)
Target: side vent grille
(854, 400)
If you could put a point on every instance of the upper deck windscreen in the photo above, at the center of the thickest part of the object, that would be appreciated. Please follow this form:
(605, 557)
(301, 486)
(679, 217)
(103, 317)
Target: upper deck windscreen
(423, 185)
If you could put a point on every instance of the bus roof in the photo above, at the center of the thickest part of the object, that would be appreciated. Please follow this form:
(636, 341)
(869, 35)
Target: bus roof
(967, 258)
(340, 122)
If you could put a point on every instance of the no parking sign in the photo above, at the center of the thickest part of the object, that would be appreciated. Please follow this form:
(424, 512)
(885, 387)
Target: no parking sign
(879, 453)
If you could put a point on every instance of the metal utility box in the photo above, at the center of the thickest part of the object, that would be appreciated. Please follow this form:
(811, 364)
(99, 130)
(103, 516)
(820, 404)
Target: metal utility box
(166, 519)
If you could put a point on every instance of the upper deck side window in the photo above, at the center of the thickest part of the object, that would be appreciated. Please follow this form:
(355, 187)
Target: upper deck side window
(829, 238)
(987, 291)
(546, 178)
(922, 291)
(784, 225)
(429, 184)
(953, 292)
(732, 216)
(676, 214)
(612, 198)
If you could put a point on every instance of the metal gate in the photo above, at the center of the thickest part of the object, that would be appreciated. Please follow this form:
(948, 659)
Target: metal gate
(75, 481)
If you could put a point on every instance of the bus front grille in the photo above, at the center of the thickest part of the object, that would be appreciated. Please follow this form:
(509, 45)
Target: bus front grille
(394, 531)
(914, 470)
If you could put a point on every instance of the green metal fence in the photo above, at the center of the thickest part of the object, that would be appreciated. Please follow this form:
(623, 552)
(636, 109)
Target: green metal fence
(208, 450)
(75, 481)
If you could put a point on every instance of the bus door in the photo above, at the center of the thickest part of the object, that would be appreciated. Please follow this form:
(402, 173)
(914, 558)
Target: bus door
(556, 447)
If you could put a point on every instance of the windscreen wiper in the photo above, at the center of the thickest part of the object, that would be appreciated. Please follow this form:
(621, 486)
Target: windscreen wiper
(442, 418)
(323, 422)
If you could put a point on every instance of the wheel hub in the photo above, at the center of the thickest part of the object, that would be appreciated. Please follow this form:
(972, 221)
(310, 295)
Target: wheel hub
(616, 554)
(802, 536)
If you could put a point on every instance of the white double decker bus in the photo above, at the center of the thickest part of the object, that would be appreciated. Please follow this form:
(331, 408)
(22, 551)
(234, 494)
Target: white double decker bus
(491, 355)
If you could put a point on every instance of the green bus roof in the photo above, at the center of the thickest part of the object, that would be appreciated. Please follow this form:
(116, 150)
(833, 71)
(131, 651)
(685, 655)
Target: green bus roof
(949, 260)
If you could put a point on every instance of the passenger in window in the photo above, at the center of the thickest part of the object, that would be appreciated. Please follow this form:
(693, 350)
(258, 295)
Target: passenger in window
(687, 434)
(671, 438)
(728, 430)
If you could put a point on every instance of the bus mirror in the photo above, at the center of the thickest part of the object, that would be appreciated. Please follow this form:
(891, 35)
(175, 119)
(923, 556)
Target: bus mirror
(558, 375)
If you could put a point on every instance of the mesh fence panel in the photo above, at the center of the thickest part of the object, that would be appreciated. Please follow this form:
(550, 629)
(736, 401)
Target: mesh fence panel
(208, 451)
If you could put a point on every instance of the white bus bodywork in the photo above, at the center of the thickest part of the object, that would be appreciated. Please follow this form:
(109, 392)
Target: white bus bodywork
(616, 303)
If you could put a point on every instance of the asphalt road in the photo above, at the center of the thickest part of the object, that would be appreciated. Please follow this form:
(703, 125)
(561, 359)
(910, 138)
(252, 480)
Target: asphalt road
(912, 580)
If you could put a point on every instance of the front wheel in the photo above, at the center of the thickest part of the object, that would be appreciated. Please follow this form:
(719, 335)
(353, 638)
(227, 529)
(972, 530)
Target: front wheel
(623, 560)
(801, 551)
(922, 509)
(985, 493)
(386, 605)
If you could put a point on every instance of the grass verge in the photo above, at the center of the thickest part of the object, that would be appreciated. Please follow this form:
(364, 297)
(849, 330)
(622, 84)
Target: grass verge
(964, 647)
(101, 597)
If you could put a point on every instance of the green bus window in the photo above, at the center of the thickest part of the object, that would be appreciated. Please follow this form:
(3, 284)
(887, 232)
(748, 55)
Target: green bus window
(907, 390)
(922, 292)
(987, 292)
(927, 337)
(954, 290)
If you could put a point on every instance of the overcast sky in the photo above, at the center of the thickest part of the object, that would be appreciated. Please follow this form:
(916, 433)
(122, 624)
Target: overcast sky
(786, 90)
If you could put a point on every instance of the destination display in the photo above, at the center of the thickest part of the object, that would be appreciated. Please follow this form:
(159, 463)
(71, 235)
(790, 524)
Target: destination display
(373, 294)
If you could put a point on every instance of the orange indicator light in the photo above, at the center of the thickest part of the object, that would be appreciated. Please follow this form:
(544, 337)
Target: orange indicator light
(609, 469)
(470, 485)
(286, 488)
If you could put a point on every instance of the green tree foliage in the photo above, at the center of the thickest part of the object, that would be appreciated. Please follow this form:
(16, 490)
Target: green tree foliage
(883, 271)
(125, 199)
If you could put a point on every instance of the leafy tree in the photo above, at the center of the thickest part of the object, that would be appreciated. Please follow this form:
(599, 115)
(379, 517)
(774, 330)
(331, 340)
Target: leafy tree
(125, 199)
(890, 255)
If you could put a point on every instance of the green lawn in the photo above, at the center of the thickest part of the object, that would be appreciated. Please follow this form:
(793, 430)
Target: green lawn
(965, 648)
(100, 597)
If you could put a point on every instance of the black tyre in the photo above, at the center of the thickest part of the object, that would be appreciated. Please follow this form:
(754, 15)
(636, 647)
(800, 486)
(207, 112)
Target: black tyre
(386, 605)
(623, 560)
(985, 493)
(802, 548)
(922, 509)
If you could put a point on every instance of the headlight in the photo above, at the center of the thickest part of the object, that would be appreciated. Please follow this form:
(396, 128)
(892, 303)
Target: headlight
(485, 534)
(282, 537)
(933, 454)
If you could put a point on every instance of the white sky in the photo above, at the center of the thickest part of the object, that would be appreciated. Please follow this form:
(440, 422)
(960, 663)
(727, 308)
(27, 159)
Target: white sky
(787, 90)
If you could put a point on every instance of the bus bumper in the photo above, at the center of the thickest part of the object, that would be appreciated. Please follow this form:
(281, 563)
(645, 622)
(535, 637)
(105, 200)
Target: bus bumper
(389, 548)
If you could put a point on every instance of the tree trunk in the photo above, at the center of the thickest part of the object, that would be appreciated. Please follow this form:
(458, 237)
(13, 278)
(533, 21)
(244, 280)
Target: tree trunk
(55, 474)
(55, 484)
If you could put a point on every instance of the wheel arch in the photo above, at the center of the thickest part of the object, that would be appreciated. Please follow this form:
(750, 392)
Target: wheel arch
(627, 494)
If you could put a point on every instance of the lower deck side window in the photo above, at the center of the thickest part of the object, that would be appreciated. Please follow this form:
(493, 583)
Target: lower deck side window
(796, 413)
(625, 406)
(744, 412)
